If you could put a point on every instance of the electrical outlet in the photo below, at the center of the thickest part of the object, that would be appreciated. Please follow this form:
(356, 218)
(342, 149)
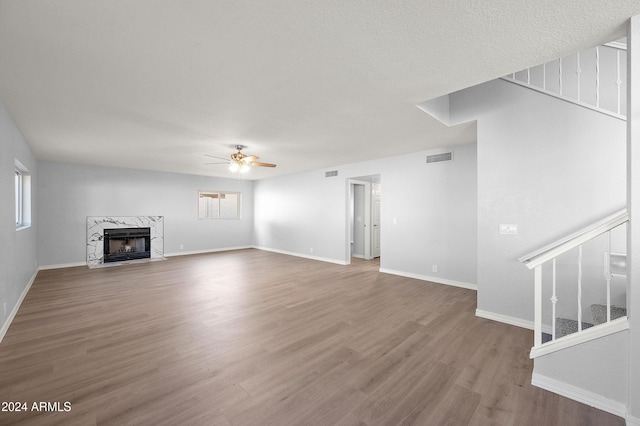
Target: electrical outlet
(181, 246)
(311, 249)
(434, 268)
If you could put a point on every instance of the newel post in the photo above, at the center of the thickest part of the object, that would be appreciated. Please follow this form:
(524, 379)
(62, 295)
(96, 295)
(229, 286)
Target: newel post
(537, 319)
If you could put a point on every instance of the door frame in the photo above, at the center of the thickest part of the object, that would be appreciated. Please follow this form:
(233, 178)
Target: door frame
(368, 217)
(375, 187)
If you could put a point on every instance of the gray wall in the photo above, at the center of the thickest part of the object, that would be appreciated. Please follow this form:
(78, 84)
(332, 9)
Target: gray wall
(303, 213)
(428, 214)
(69, 193)
(548, 166)
(605, 359)
(18, 249)
(435, 209)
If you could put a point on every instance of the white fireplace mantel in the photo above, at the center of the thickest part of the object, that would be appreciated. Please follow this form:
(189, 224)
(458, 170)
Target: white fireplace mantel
(95, 234)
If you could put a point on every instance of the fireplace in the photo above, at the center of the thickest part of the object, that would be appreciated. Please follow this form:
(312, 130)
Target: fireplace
(101, 231)
(123, 244)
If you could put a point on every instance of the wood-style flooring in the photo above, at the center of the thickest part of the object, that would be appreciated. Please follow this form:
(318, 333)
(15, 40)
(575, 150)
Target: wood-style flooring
(252, 337)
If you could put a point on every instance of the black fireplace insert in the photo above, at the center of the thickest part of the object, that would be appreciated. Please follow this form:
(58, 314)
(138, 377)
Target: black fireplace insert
(123, 244)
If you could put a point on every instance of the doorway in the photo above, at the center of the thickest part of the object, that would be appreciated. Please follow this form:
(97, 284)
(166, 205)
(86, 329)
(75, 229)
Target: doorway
(364, 217)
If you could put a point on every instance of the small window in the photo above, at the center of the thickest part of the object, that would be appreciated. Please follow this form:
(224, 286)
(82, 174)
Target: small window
(22, 191)
(218, 205)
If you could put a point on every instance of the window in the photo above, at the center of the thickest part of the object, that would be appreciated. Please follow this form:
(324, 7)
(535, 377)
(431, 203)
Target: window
(218, 205)
(22, 196)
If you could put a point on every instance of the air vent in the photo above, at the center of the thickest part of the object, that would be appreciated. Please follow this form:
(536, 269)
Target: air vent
(331, 173)
(436, 158)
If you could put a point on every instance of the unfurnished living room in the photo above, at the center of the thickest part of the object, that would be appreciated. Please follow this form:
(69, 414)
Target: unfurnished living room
(330, 213)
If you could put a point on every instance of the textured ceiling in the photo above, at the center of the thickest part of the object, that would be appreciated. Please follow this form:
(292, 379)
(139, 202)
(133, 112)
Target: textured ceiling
(155, 85)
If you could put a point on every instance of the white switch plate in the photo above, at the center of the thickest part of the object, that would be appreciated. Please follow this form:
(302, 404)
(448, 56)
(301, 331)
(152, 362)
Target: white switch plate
(508, 229)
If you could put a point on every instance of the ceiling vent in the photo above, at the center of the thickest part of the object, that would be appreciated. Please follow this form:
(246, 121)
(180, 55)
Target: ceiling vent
(331, 173)
(437, 158)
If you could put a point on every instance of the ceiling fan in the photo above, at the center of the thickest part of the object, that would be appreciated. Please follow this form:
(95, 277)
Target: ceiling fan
(240, 161)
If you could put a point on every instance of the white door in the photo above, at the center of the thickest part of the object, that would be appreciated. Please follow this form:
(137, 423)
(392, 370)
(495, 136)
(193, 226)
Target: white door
(375, 238)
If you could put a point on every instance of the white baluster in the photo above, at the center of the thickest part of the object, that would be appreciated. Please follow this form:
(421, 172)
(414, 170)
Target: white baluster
(618, 80)
(608, 276)
(580, 287)
(560, 74)
(554, 300)
(597, 77)
(537, 314)
(578, 72)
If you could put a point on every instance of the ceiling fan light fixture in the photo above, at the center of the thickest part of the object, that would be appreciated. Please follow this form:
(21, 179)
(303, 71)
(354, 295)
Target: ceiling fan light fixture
(240, 162)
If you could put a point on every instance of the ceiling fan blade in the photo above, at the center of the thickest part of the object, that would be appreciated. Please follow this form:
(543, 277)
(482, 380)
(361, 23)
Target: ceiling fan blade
(240, 159)
(213, 156)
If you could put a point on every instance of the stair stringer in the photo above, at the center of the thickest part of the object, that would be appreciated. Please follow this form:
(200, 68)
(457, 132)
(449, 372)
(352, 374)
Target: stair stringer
(588, 372)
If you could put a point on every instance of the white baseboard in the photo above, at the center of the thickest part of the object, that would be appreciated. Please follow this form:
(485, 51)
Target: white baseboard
(62, 265)
(436, 280)
(14, 311)
(581, 395)
(518, 322)
(632, 421)
(187, 253)
(289, 253)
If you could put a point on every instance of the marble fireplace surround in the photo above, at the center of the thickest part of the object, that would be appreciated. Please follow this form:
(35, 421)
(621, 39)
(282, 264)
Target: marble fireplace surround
(95, 235)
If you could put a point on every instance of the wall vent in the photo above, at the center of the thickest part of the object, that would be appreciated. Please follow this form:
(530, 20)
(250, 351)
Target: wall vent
(331, 173)
(436, 158)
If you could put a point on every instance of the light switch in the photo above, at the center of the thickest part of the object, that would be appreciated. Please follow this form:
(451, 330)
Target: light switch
(508, 229)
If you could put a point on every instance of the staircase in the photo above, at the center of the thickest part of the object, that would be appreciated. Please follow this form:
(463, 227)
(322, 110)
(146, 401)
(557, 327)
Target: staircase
(566, 326)
(586, 268)
(599, 313)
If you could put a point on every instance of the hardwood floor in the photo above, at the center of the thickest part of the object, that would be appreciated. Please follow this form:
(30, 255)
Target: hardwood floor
(257, 338)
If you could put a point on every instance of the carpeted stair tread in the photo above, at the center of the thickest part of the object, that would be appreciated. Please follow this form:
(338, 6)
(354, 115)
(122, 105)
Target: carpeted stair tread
(565, 326)
(599, 313)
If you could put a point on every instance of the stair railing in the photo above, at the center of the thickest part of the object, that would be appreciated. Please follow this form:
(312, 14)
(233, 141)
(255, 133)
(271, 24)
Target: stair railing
(550, 254)
(594, 79)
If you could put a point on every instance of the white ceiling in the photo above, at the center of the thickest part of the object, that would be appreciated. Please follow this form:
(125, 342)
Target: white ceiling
(155, 85)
